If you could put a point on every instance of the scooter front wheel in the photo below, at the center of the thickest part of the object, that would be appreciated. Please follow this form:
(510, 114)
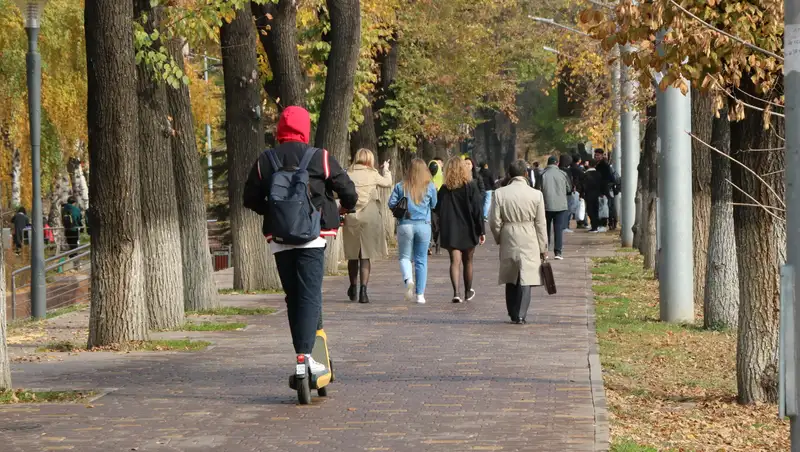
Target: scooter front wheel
(323, 391)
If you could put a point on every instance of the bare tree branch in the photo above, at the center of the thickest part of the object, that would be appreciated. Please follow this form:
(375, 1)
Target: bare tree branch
(757, 204)
(745, 167)
(745, 204)
(724, 33)
(760, 99)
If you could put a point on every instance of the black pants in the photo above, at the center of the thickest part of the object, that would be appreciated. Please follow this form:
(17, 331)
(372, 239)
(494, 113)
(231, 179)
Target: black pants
(518, 299)
(72, 242)
(17, 241)
(301, 272)
(612, 213)
(593, 212)
(557, 221)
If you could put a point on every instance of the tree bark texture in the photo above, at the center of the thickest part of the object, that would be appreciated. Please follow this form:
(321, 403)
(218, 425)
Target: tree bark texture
(5, 362)
(16, 178)
(702, 115)
(649, 162)
(79, 189)
(254, 267)
(365, 136)
(638, 202)
(342, 62)
(162, 234)
(118, 310)
(199, 289)
(277, 31)
(721, 304)
(761, 242)
(387, 64)
(58, 196)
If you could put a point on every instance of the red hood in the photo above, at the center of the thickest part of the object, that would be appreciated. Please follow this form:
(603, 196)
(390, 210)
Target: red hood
(294, 125)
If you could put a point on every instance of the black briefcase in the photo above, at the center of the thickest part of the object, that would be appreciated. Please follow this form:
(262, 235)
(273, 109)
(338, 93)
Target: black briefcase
(548, 279)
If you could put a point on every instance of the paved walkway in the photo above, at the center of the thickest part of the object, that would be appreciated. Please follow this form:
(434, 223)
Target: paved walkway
(439, 377)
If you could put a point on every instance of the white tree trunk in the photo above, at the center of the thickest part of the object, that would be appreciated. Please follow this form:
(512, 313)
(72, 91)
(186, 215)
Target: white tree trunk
(16, 176)
(59, 195)
(79, 188)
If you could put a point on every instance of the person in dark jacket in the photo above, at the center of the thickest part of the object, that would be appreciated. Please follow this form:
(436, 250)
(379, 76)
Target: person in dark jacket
(301, 267)
(488, 183)
(459, 207)
(20, 222)
(594, 187)
(72, 220)
(608, 180)
(577, 171)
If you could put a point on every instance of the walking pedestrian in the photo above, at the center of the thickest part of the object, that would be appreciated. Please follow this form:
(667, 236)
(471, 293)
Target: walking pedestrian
(460, 210)
(555, 188)
(414, 230)
(593, 189)
(20, 222)
(72, 221)
(436, 167)
(517, 221)
(307, 179)
(363, 232)
(607, 181)
(488, 184)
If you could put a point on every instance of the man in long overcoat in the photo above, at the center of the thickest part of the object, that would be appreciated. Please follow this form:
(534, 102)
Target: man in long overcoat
(517, 221)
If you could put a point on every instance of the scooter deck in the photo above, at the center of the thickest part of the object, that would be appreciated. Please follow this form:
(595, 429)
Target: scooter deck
(321, 355)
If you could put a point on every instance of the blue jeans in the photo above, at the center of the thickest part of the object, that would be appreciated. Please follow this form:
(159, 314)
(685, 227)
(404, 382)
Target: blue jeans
(301, 271)
(487, 203)
(412, 241)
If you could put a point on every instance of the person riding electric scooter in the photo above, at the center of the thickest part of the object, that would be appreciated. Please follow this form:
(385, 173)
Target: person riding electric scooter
(292, 187)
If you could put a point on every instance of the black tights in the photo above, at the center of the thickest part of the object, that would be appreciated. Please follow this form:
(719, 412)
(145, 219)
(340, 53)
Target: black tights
(459, 259)
(353, 270)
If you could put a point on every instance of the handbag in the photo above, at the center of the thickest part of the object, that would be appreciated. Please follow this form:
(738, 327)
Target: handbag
(400, 210)
(547, 277)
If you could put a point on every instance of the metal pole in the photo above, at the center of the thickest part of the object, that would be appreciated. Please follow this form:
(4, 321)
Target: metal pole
(675, 175)
(791, 81)
(616, 80)
(34, 66)
(208, 136)
(629, 128)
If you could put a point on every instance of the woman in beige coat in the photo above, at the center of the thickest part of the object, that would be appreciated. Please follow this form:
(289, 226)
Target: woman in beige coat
(518, 224)
(363, 234)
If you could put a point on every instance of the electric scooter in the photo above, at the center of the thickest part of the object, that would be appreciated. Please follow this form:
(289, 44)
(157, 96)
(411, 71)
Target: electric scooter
(303, 381)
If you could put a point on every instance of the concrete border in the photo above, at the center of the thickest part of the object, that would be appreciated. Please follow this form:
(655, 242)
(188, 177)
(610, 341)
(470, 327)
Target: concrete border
(602, 434)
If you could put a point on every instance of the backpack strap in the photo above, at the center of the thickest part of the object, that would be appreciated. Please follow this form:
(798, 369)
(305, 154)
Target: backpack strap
(273, 159)
(310, 153)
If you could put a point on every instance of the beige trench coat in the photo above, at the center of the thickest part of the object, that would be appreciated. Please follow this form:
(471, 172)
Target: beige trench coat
(363, 231)
(518, 225)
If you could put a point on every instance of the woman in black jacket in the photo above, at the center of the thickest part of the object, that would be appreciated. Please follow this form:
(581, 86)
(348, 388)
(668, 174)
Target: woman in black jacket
(461, 223)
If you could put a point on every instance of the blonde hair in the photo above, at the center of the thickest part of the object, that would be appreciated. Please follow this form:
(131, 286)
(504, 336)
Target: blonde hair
(456, 173)
(364, 157)
(417, 179)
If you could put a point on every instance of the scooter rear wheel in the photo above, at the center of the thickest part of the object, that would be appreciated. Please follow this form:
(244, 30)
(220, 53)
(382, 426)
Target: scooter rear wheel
(323, 391)
(303, 391)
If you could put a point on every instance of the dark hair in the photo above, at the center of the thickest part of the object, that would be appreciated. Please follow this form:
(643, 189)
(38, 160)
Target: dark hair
(439, 159)
(576, 158)
(21, 210)
(592, 163)
(484, 164)
(599, 151)
(518, 168)
(71, 200)
(535, 164)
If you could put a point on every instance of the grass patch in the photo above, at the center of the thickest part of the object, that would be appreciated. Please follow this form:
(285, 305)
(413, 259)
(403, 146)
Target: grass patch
(23, 323)
(250, 292)
(179, 345)
(681, 378)
(212, 326)
(232, 310)
(25, 396)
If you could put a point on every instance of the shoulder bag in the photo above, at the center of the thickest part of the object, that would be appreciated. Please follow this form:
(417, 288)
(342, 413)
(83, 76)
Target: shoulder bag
(400, 210)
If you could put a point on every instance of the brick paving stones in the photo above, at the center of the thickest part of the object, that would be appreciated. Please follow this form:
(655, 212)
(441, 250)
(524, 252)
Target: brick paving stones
(438, 377)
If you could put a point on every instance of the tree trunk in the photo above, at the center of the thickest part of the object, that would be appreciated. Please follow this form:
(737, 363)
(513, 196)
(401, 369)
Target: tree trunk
(253, 266)
(387, 64)
(16, 178)
(650, 190)
(702, 115)
(79, 189)
(345, 37)
(162, 243)
(118, 312)
(342, 62)
(5, 364)
(277, 30)
(761, 242)
(721, 304)
(58, 197)
(199, 289)
(638, 202)
(365, 136)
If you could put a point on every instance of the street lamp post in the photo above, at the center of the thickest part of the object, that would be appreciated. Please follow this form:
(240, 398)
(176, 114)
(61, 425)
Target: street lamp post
(32, 12)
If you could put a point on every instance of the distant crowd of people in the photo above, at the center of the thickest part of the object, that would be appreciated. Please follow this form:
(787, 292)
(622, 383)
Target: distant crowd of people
(71, 221)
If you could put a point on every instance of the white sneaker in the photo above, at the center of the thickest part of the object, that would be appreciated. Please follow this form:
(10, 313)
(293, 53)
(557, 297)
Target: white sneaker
(316, 368)
(420, 299)
(602, 229)
(568, 230)
(410, 287)
(470, 294)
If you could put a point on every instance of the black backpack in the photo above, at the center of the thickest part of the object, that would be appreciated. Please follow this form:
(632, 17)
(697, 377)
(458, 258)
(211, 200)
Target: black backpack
(293, 220)
(66, 219)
